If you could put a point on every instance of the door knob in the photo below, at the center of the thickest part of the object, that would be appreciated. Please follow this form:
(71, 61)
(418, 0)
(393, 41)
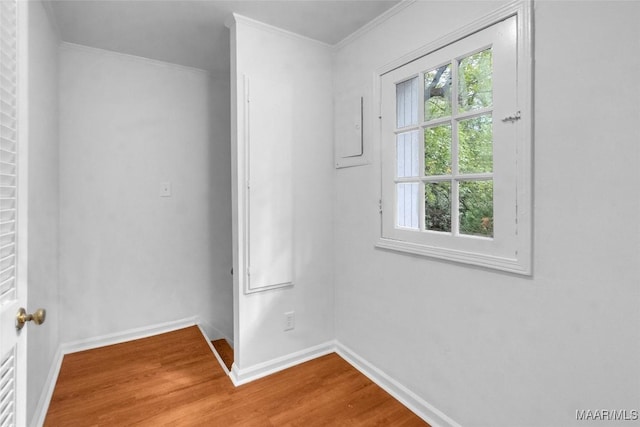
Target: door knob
(22, 317)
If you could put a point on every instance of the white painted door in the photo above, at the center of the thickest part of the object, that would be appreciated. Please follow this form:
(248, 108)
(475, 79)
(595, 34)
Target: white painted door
(13, 280)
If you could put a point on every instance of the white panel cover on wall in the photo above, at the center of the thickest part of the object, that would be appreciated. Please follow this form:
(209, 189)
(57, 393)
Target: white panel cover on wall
(269, 143)
(349, 130)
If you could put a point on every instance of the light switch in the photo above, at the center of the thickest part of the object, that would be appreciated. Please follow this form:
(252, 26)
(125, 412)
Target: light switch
(165, 189)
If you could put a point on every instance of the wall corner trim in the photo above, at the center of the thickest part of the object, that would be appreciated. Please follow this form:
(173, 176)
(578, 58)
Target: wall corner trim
(520, 8)
(415, 403)
(47, 391)
(235, 19)
(245, 375)
(373, 23)
(112, 53)
(230, 21)
(128, 335)
(213, 349)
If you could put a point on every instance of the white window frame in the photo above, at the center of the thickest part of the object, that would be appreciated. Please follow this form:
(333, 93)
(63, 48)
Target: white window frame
(512, 253)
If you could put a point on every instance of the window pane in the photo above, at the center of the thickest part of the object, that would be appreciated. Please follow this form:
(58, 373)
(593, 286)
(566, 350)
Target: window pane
(407, 197)
(476, 208)
(407, 154)
(437, 92)
(407, 103)
(437, 150)
(475, 145)
(437, 207)
(474, 81)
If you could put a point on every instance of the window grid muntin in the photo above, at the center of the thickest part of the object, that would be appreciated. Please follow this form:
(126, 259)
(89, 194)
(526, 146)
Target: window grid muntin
(455, 177)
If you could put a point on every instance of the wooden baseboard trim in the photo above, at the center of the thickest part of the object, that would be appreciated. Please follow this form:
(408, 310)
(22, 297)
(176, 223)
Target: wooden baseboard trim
(242, 376)
(415, 403)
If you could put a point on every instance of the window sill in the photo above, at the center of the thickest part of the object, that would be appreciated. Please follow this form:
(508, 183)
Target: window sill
(511, 265)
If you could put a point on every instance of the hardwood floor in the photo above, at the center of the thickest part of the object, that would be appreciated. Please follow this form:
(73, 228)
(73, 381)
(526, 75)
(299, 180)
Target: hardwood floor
(174, 379)
(224, 351)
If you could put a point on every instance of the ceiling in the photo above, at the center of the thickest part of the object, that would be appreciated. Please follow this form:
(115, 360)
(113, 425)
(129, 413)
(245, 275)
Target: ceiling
(192, 33)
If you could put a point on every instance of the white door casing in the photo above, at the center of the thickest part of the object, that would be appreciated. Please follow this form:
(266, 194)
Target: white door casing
(13, 211)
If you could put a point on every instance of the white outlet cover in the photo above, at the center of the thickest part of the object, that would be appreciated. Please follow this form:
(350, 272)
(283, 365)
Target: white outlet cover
(289, 321)
(165, 189)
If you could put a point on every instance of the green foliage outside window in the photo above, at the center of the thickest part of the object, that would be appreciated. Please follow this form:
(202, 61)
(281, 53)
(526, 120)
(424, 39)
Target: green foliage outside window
(437, 93)
(475, 146)
(476, 208)
(437, 150)
(438, 206)
(475, 83)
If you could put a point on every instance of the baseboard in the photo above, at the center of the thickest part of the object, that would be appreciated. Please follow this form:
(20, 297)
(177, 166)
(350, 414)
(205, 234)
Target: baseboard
(95, 342)
(47, 391)
(124, 336)
(213, 333)
(213, 349)
(242, 376)
(415, 403)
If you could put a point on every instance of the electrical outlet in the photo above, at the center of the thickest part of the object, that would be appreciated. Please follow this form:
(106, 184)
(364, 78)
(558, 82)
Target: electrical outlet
(165, 189)
(289, 321)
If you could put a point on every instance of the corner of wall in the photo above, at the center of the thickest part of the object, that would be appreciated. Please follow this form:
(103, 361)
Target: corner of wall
(242, 376)
(411, 400)
(42, 217)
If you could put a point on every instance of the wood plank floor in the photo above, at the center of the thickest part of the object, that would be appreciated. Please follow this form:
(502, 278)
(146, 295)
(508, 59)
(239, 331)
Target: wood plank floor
(174, 379)
(224, 351)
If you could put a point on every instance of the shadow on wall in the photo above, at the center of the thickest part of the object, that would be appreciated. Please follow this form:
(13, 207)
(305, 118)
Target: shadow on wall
(220, 205)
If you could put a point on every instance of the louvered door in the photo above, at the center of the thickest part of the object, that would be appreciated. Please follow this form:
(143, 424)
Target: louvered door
(12, 272)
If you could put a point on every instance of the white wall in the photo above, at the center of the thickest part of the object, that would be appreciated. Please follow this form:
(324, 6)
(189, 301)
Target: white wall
(484, 347)
(489, 348)
(301, 72)
(129, 258)
(43, 198)
(219, 170)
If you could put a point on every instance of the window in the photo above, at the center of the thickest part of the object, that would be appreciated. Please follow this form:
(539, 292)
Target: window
(455, 147)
